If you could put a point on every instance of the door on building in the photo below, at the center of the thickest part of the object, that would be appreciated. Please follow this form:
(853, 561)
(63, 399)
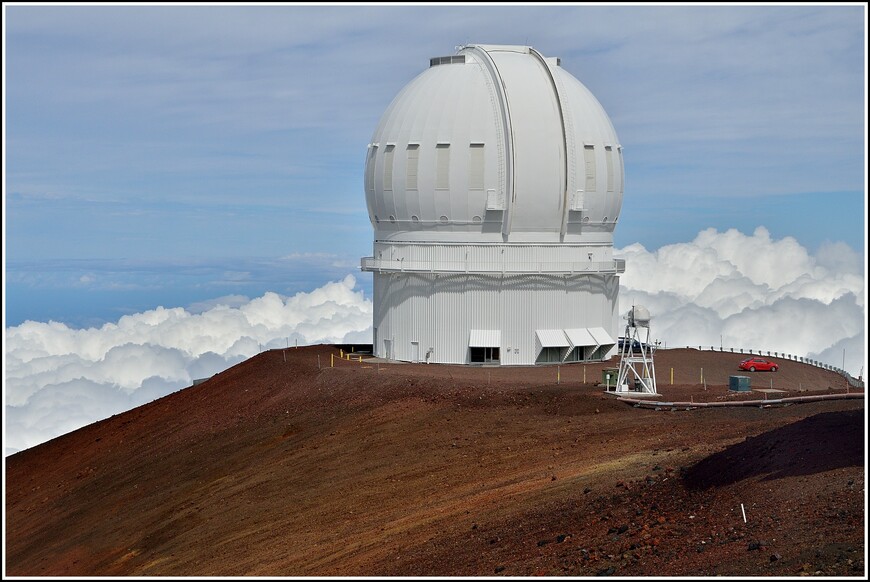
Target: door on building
(484, 355)
(483, 346)
(415, 351)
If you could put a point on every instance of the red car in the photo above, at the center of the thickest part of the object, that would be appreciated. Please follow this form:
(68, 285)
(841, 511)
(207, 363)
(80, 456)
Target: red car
(753, 364)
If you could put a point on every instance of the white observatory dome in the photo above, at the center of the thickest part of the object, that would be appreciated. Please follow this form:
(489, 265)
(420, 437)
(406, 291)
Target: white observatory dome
(495, 143)
(493, 182)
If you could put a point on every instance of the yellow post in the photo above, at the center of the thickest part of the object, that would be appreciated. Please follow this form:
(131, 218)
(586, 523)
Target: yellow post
(340, 353)
(331, 360)
(360, 359)
(584, 374)
(702, 375)
(558, 374)
(348, 356)
(672, 376)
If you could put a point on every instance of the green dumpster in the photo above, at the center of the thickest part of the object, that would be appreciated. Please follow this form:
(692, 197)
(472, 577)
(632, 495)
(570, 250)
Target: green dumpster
(739, 383)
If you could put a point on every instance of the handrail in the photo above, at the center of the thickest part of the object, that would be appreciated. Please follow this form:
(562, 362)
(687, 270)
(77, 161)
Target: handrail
(478, 266)
(854, 382)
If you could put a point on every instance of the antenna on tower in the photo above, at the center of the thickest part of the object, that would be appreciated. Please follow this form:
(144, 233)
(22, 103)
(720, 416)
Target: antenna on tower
(637, 372)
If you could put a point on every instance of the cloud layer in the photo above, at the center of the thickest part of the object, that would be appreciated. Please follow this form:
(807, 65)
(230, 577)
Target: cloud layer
(752, 292)
(58, 378)
(745, 291)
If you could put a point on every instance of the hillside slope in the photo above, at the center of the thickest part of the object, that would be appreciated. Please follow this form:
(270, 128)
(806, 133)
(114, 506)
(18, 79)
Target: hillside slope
(277, 467)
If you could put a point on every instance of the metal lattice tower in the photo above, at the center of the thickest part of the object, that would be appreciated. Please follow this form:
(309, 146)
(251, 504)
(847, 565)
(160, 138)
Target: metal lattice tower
(637, 373)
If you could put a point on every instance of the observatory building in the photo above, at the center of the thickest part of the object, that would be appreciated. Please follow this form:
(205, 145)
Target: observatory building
(493, 183)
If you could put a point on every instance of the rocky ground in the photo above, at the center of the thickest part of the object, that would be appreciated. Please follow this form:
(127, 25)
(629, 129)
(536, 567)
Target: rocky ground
(278, 467)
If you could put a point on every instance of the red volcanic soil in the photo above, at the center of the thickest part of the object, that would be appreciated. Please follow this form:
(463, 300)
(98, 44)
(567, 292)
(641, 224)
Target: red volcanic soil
(276, 467)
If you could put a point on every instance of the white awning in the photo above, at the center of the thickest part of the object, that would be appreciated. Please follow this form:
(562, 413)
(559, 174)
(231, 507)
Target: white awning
(602, 338)
(485, 338)
(580, 337)
(552, 338)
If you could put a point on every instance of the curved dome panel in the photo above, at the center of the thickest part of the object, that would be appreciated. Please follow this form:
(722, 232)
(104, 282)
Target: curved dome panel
(494, 144)
(594, 139)
(417, 168)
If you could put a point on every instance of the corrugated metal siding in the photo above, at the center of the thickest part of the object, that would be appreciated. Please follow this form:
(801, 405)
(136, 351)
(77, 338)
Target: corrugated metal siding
(439, 311)
(580, 337)
(451, 324)
(601, 336)
(485, 338)
(551, 338)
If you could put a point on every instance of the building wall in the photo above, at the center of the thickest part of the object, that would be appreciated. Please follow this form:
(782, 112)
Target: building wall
(438, 312)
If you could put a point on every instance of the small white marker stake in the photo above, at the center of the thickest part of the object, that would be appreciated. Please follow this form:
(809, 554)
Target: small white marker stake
(744, 513)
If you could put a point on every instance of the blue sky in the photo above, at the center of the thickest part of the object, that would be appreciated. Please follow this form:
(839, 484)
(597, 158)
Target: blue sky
(169, 155)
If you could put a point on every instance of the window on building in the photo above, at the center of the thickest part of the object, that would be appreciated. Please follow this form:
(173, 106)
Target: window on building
(370, 169)
(475, 166)
(589, 159)
(621, 171)
(578, 354)
(550, 356)
(411, 169)
(388, 167)
(442, 166)
(608, 157)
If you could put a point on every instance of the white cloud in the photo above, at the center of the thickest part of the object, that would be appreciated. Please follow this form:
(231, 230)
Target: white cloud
(752, 291)
(58, 379)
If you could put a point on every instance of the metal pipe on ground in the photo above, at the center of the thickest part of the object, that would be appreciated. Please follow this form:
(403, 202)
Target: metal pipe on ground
(687, 405)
